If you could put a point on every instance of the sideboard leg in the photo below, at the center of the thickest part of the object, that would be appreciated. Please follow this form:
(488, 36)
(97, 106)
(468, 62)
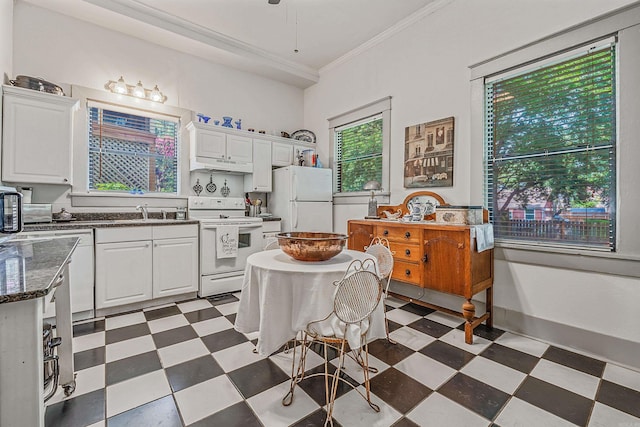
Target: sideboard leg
(468, 312)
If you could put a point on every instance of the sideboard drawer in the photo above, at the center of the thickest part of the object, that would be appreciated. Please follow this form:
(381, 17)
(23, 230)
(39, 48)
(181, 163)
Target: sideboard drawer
(399, 234)
(407, 272)
(405, 251)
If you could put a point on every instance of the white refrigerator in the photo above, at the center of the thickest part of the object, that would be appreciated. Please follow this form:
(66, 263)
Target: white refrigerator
(302, 196)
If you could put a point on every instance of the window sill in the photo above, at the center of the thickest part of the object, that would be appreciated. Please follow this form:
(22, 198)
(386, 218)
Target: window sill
(97, 199)
(359, 198)
(571, 259)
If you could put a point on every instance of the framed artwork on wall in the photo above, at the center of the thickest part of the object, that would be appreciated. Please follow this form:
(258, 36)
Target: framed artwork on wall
(428, 154)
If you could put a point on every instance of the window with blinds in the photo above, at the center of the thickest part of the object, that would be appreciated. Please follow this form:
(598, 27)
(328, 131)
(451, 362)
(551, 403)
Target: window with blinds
(551, 152)
(132, 151)
(358, 154)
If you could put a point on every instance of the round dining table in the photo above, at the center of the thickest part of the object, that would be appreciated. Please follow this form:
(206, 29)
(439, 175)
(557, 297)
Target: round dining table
(281, 295)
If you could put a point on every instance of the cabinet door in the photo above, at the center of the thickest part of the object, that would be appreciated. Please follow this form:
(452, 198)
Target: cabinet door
(175, 266)
(81, 279)
(281, 154)
(447, 267)
(29, 124)
(210, 144)
(360, 235)
(261, 179)
(123, 273)
(239, 149)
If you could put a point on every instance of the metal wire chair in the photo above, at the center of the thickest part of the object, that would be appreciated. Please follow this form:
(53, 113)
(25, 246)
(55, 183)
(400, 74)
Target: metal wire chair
(356, 296)
(273, 244)
(379, 248)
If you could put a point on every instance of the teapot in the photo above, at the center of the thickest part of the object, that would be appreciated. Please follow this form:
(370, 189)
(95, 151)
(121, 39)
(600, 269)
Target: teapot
(417, 211)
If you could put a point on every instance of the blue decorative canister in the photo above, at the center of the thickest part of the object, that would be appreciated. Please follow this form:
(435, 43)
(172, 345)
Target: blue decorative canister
(227, 121)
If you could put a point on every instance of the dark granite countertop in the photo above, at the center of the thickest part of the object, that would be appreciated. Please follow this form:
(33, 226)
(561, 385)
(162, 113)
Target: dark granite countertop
(106, 223)
(271, 218)
(28, 268)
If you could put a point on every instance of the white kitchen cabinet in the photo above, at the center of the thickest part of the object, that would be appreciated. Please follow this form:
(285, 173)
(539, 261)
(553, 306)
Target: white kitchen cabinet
(135, 264)
(261, 179)
(208, 144)
(33, 120)
(281, 154)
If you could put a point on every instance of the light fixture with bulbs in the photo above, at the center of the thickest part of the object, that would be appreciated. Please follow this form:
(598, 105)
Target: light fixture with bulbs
(138, 91)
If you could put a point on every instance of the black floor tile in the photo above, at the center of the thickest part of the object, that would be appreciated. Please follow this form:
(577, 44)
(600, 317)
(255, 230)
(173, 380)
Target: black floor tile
(257, 377)
(405, 422)
(126, 333)
(399, 390)
(201, 315)
(430, 327)
(389, 353)
(224, 339)
(88, 328)
(131, 367)
(447, 354)
(576, 361)
(485, 332)
(193, 372)
(238, 415)
(222, 299)
(481, 398)
(315, 419)
(315, 386)
(82, 410)
(393, 326)
(622, 398)
(515, 359)
(174, 336)
(88, 358)
(563, 403)
(417, 309)
(159, 313)
(162, 412)
(231, 318)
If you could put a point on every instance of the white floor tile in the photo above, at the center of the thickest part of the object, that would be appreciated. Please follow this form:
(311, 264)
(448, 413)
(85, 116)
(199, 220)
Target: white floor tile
(166, 323)
(446, 319)
(137, 391)
(181, 352)
(623, 376)
(606, 416)
(237, 356)
(426, 370)
(252, 335)
(98, 424)
(268, 406)
(229, 308)
(437, 410)
(352, 410)
(189, 306)
(211, 326)
(157, 307)
(518, 413)
(578, 382)
(206, 398)
(127, 348)
(411, 338)
(495, 374)
(87, 380)
(524, 344)
(125, 320)
(354, 370)
(402, 317)
(87, 342)
(283, 360)
(455, 337)
(394, 302)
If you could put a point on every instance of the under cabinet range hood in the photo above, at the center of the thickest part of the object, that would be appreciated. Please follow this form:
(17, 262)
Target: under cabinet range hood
(198, 163)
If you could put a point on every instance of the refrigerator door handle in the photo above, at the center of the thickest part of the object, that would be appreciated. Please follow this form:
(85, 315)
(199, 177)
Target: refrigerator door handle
(294, 188)
(295, 215)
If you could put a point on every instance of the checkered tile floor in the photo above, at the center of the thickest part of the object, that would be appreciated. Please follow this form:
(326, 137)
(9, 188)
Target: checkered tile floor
(185, 365)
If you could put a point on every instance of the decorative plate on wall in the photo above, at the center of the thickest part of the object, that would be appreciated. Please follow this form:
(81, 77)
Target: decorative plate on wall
(304, 135)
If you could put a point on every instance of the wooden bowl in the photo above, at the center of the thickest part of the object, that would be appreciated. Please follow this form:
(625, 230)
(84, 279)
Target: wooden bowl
(311, 246)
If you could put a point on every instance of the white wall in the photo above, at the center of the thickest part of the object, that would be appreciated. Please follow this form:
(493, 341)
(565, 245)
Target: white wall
(425, 69)
(6, 45)
(62, 49)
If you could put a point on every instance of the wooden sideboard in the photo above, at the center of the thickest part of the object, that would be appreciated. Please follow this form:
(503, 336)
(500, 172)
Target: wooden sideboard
(434, 256)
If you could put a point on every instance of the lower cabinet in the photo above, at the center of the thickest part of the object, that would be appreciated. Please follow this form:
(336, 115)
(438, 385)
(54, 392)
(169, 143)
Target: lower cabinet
(135, 264)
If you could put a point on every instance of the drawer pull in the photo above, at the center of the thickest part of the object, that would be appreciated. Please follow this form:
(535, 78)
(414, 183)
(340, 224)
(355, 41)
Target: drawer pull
(385, 232)
(407, 234)
(407, 252)
(407, 272)
(425, 258)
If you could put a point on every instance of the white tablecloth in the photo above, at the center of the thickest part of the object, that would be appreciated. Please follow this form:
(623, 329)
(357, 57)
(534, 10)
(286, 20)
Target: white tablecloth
(280, 296)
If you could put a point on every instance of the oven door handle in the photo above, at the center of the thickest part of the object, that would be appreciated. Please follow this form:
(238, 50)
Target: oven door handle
(240, 226)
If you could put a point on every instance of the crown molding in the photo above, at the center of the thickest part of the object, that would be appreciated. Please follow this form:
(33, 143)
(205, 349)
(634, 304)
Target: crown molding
(388, 33)
(165, 21)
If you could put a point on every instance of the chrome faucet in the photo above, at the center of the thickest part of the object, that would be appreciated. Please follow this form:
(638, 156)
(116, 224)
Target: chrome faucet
(144, 210)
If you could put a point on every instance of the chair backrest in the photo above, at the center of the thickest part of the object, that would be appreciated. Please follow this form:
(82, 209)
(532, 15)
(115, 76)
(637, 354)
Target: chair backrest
(273, 244)
(379, 248)
(357, 295)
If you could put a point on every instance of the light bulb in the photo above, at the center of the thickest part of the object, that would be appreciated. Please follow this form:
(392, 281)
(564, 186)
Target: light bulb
(120, 86)
(138, 91)
(156, 95)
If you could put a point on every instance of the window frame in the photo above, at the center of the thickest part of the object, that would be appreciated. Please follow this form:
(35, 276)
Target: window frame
(625, 23)
(380, 107)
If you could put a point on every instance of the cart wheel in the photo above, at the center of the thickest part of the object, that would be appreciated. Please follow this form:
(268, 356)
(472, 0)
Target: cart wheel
(69, 388)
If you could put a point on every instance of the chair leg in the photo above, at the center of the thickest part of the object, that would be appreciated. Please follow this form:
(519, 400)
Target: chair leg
(296, 374)
(386, 325)
(331, 397)
(367, 385)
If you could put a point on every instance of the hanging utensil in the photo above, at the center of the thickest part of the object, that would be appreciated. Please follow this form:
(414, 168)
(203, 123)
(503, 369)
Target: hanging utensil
(225, 190)
(197, 188)
(211, 187)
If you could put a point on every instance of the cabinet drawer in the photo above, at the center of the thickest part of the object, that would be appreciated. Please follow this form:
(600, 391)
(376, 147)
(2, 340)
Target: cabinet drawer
(398, 234)
(407, 272)
(175, 231)
(122, 234)
(405, 251)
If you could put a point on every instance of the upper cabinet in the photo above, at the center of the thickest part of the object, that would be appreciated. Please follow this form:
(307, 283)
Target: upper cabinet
(261, 178)
(37, 136)
(281, 154)
(213, 149)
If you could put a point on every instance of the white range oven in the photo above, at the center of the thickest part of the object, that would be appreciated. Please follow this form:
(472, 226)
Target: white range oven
(221, 275)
